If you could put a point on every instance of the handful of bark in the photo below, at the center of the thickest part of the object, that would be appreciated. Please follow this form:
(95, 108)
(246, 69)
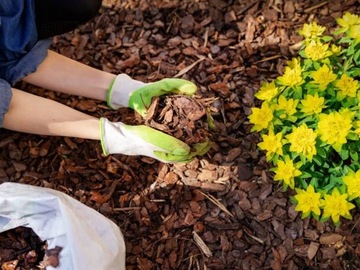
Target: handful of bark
(180, 116)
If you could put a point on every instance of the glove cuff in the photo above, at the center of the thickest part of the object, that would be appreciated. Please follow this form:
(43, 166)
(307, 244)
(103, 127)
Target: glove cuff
(120, 91)
(102, 123)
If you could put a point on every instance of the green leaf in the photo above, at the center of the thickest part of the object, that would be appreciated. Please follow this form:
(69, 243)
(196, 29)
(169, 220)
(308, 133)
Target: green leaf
(315, 183)
(345, 40)
(331, 91)
(316, 217)
(352, 136)
(326, 38)
(350, 51)
(323, 220)
(354, 72)
(298, 93)
(321, 152)
(277, 122)
(210, 120)
(342, 189)
(344, 154)
(357, 201)
(354, 156)
(293, 200)
(302, 183)
(357, 57)
(339, 31)
(305, 175)
(303, 159)
(330, 185)
(318, 160)
(316, 65)
(302, 53)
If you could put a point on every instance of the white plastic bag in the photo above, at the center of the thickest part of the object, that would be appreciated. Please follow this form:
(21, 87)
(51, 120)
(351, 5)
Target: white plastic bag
(89, 240)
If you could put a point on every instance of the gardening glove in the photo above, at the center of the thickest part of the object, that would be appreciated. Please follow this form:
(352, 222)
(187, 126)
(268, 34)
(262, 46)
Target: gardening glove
(118, 138)
(127, 92)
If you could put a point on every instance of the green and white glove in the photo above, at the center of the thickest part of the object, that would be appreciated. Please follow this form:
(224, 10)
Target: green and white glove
(127, 92)
(118, 138)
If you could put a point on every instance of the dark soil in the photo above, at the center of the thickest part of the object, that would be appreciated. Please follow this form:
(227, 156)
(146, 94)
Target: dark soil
(220, 211)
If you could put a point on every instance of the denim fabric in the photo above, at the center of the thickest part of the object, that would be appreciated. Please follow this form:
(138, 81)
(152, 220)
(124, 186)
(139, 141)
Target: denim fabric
(17, 29)
(5, 97)
(27, 64)
(20, 51)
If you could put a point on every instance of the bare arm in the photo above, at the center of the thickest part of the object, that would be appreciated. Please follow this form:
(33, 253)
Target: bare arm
(62, 74)
(36, 115)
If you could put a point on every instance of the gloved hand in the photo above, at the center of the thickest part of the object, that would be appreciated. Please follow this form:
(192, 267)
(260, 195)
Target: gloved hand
(127, 92)
(118, 138)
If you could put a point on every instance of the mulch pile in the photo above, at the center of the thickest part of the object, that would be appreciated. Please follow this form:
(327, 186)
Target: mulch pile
(181, 116)
(22, 249)
(220, 211)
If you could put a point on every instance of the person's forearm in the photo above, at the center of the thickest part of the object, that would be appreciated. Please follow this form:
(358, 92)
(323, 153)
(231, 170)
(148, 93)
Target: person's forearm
(62, 74)
(36, 115)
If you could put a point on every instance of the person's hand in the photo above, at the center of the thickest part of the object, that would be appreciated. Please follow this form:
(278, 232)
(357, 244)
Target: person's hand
(118, 138)
(127, 92)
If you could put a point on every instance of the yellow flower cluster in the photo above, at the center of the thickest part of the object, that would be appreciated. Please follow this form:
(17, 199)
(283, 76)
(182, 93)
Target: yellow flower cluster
(287, 171)
(302, 141)
(334, 205)
(334, 127)
(292, 75)
(261, 118)
(323, 77)
(309, 121)
(350, 23)
(316, 50)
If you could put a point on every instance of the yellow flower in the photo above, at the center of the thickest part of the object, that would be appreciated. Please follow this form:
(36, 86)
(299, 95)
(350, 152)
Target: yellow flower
(288, 105)
(335, 49)
(347, 86)
(317, 50)
(312, 30)
(312, 104)
(293, 63)
(323, 76)
(272, 144)
(354, 32)
(352, 180)
(308, 201)
(348, 20)
(261, 118)
(334, 127)
(286, 171)
(267, 91)
(302, 140)
(336, 205)
(292, 75)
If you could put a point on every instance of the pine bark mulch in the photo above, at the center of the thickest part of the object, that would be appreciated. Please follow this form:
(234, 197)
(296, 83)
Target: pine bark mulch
(220, 211)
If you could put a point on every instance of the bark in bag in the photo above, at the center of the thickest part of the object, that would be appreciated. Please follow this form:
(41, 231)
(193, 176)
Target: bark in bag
(89, 240)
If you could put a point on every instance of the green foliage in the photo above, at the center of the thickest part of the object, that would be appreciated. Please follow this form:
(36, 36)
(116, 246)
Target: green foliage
(309, 121)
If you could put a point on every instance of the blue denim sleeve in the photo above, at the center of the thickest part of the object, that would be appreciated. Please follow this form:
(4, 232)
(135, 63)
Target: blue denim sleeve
(5, 97)
(20, 51)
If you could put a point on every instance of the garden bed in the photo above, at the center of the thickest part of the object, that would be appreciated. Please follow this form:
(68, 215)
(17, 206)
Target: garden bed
(220, 211)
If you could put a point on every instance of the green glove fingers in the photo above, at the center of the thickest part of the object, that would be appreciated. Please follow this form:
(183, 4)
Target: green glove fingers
(160, 139)
(171, 158)
(200, 149)
(140, 100)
